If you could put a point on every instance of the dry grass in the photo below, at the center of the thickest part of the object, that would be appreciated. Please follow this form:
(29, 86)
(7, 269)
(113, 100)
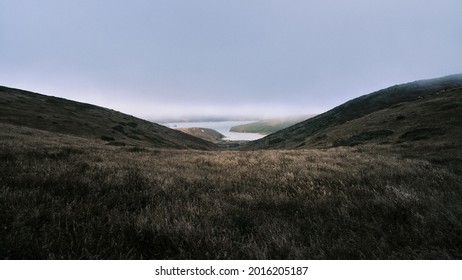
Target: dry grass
(68, 198)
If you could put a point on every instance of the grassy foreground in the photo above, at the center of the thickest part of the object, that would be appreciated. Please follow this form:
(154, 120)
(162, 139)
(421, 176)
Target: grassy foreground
(69, 198)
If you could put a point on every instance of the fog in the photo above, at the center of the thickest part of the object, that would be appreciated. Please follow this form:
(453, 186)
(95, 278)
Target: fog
(258, 58)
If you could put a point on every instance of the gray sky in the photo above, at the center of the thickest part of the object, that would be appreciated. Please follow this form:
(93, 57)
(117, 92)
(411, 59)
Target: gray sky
(166, 58)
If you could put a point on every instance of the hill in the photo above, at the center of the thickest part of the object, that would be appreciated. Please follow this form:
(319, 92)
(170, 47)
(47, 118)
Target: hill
(426, 111)
(266, 127)
(67, 195)
(207, 134)
(33, 110)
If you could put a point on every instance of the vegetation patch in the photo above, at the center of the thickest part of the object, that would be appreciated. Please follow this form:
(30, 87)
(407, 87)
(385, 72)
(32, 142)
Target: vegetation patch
(118, 128)
(116, 143)
(107, 138)
(421, 134)
(275, 141)
(132, 124)
(133, 137)
(457, 105)
(371, 135)
(364, 137)
(137, 149)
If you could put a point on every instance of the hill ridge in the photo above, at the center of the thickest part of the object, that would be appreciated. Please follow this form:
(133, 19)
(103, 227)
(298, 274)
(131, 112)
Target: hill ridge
(309, 133)
(56, 114)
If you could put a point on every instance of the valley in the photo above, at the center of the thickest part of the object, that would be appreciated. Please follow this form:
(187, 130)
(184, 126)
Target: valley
(379, 177)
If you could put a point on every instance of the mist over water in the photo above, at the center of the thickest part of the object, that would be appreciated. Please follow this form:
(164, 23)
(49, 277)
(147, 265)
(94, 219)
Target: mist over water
(221, 126)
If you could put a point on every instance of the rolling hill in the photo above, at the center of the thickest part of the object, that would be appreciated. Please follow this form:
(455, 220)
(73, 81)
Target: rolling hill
(424, 111)
(33, 110)
(266, 127)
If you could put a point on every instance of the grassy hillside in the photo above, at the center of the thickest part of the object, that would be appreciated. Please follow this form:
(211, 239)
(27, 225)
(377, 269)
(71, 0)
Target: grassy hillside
(73, 198)
(54, 114)
(269, 126)
(203, 133)
(67, 195)
(429, 110)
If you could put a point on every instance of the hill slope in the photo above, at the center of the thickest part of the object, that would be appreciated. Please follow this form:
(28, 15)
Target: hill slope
(266, 127)
(33, 110)
(203, 133)
(427, 110)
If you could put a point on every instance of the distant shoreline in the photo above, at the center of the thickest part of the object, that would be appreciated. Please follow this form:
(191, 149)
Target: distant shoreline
(222, 127)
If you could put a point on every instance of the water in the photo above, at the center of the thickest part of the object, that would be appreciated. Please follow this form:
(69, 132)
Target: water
(222, 127)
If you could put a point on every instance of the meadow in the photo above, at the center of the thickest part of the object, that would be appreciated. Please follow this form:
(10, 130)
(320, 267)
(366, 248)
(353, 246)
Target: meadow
(64, 197)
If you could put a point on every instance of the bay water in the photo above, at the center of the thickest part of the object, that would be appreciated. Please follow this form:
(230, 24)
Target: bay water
(221, 126)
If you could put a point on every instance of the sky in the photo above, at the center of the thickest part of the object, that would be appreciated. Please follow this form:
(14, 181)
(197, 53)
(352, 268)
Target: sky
(159, 59)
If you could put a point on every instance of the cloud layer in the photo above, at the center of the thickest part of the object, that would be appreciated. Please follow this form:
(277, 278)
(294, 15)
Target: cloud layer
(158, 59)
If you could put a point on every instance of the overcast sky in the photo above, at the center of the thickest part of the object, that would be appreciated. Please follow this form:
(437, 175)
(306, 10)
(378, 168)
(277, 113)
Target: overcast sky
(167, 58)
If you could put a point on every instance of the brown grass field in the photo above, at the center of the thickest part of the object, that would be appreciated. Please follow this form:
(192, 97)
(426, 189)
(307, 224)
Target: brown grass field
(64, 197)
